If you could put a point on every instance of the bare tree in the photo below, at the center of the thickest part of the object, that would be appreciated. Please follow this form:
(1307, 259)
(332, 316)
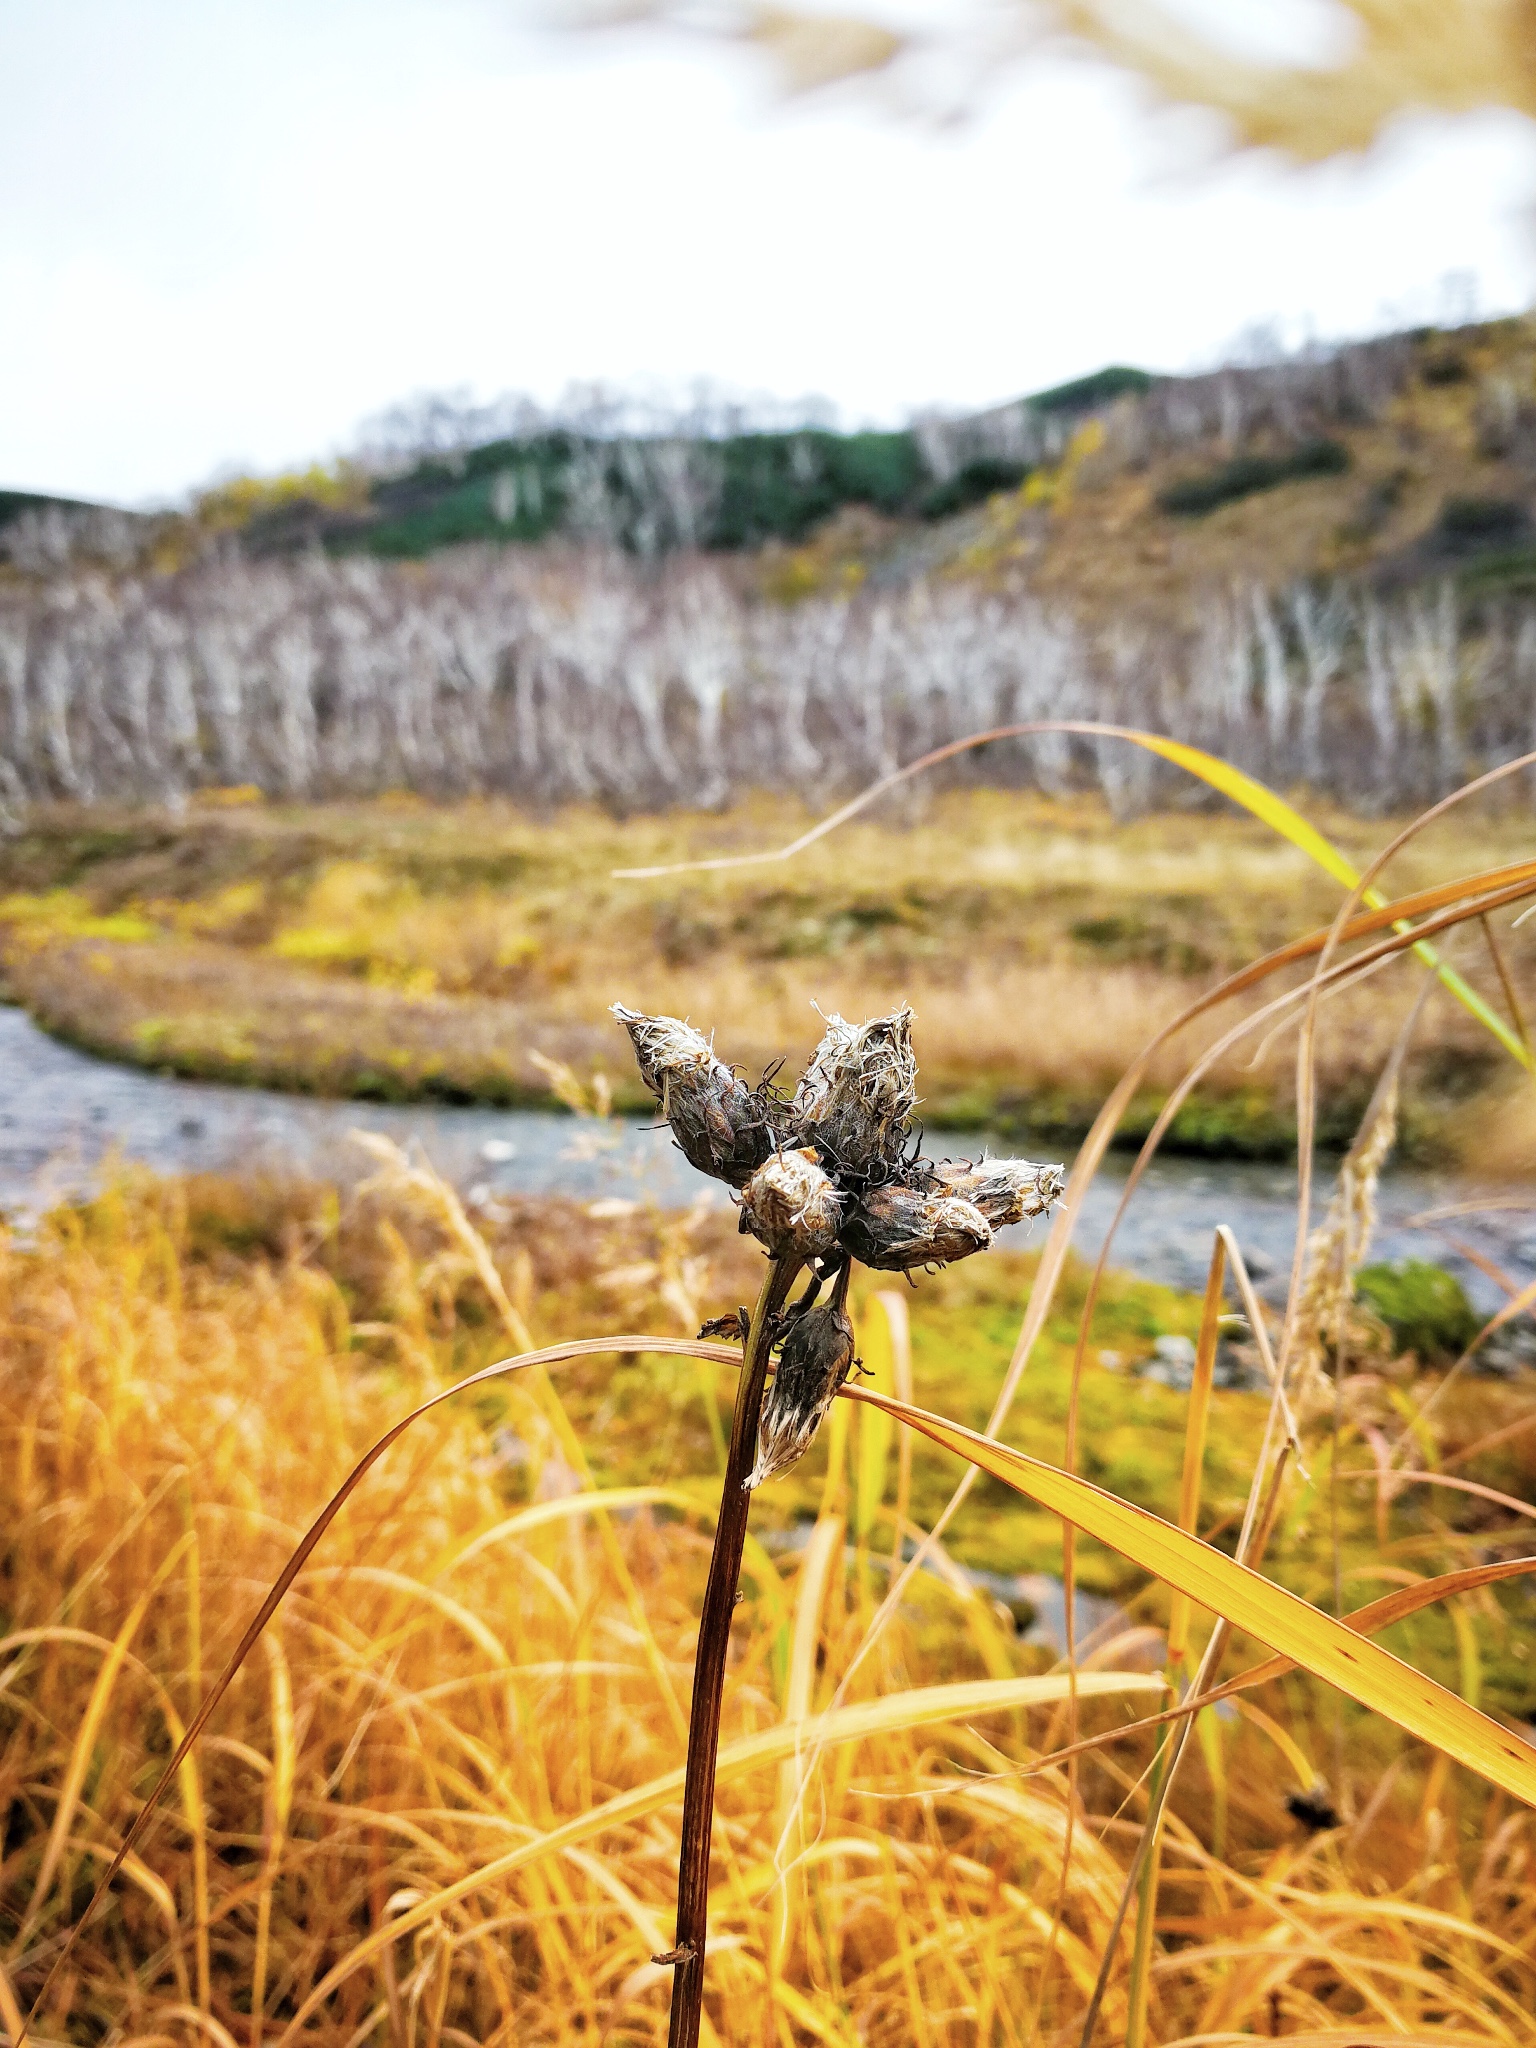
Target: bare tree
(554, 674)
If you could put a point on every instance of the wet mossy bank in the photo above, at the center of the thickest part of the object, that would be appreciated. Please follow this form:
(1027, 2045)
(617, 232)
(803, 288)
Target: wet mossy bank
(403, 951)
(402, 1053)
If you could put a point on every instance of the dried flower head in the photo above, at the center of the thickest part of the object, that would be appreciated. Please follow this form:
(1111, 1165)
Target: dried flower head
(1004, 1190)
(791, 1204)
(830, 1170)
(895, 1228)
(815, 1360)
(857, 1096)
(722, 1126)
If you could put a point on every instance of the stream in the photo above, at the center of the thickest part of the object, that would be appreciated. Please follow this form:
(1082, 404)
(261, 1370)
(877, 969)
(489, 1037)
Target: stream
(64, 1116)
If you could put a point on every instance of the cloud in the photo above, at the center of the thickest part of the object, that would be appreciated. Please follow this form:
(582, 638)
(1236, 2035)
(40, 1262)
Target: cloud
(235, 227)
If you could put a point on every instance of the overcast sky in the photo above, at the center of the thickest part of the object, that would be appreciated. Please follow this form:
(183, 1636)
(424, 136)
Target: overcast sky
(230, 229)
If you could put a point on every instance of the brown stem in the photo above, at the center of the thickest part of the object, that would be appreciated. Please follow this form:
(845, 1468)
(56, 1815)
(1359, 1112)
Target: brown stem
(709, 1665)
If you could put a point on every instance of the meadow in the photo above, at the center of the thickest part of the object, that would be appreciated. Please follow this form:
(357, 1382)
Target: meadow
(398, 948)
(441, 1798)
(440, 1802)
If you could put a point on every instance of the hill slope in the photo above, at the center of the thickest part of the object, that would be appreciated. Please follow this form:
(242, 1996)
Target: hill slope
(1399, 460)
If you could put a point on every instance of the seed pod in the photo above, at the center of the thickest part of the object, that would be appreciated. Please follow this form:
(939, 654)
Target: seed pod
(816, 1081)
(722, 1126)
(792, 1206)
(813, 1364)
(894, 1228)
(856, 1098)
(1004, 1190)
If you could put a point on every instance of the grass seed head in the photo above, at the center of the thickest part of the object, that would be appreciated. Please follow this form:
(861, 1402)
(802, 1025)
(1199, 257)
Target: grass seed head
(792, 1206)
(895, 1228)
(1004, 1190)
(813, 1364)
(722, 1127)
(857, 1096)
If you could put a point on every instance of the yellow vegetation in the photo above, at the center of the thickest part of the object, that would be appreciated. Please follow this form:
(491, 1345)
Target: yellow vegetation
(467, 1721)
(374, 948)
(342, 487)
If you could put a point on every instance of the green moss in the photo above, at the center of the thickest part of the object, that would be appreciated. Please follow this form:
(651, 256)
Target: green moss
(1425, 1307)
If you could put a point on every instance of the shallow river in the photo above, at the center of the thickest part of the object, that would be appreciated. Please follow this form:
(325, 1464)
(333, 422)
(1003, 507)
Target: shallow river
(63, 1116)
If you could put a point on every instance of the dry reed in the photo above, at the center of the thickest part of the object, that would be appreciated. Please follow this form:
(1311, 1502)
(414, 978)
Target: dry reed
(458, 1676)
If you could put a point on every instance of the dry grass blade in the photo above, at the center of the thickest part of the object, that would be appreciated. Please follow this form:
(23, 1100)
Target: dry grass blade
(1196, 1429)
(1249, 1602)
(926, 1706)
(1220, 775)
(822, 1552)
(279, 1805)
(555, 1354)
(1506, 983)
(1150, 1849)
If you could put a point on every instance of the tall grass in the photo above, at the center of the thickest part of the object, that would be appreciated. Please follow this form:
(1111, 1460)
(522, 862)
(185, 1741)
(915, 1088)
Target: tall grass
(445, 1807)
(459, 1681)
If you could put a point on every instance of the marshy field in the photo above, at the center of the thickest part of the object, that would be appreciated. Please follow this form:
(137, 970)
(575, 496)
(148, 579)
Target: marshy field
(398, 949)
(440, 1800)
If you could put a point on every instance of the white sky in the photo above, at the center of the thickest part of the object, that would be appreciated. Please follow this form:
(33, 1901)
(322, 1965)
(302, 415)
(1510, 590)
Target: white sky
(230, 229)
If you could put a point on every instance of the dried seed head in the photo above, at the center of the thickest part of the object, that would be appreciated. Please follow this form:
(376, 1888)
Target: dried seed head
(816, 1081)
(1004, 1190)
(792, 1206)
(813, 1364)
(856, 1098)
(722, 1126)
(894, 1228)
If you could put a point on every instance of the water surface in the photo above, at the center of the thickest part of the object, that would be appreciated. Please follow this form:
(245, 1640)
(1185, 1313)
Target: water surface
(65, 1115)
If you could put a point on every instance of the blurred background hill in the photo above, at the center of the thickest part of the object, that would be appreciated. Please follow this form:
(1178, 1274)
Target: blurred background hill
(1322, 564)
(1399, 459)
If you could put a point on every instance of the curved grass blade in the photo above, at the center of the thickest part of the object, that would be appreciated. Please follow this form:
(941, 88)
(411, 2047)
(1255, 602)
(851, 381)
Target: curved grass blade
(1317, 1642)
(1254, 797)
(924, 1706)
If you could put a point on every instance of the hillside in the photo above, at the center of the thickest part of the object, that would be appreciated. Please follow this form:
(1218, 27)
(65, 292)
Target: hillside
(1400, 460)
(1403, 459)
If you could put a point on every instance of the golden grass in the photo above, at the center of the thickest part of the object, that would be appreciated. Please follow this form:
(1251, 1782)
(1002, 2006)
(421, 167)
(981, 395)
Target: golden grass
(401, 948)
(186, 1371)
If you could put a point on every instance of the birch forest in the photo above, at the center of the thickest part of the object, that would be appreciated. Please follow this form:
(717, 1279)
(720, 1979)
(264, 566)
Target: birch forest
(550, 676)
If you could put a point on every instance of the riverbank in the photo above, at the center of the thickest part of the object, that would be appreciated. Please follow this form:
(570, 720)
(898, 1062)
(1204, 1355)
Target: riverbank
(399, 951)
(67, 1121)
(476, 1657)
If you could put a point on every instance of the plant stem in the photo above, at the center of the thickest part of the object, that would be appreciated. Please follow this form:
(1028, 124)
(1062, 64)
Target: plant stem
(709, 1665)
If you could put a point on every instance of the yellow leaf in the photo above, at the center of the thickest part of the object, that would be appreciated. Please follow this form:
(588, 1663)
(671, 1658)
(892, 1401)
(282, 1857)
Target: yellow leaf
(1250, 1602)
